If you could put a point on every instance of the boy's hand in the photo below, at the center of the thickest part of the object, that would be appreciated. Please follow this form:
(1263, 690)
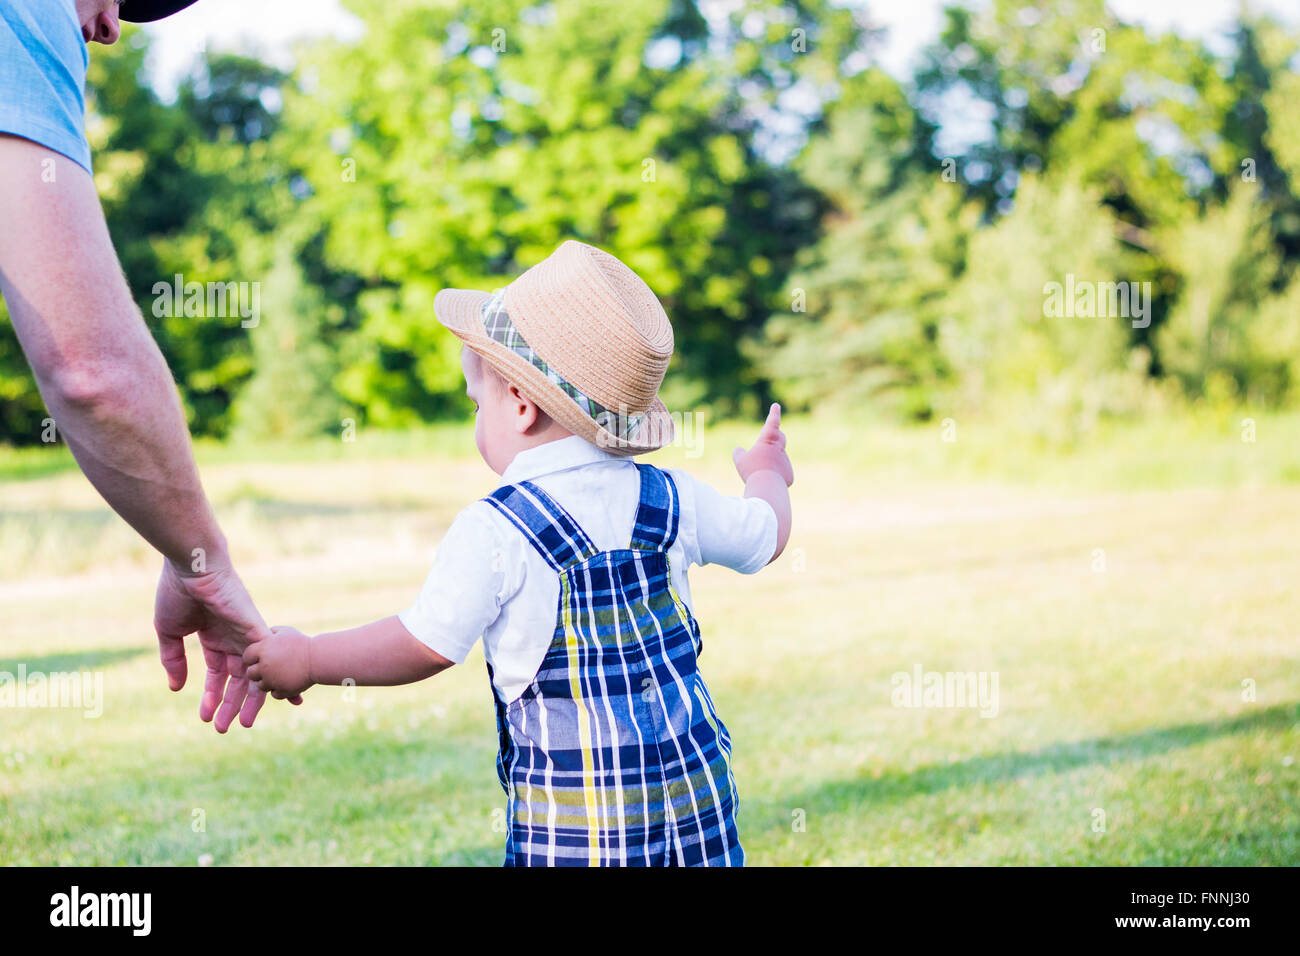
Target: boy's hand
(768, 451)
(281, 663)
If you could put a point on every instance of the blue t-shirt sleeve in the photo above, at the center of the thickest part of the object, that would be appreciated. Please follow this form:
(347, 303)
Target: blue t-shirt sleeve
(43, 76)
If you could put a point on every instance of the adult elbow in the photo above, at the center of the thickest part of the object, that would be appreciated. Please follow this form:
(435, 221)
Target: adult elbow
(88, 387)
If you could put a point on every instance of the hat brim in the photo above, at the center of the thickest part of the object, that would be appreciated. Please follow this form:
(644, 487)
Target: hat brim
(460, 311)
(147, 11)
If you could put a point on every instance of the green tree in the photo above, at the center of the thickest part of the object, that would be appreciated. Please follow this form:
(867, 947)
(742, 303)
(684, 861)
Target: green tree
(862, 319)
(291, 393)
(460, 144)
(1015, 344)
(1227, 325)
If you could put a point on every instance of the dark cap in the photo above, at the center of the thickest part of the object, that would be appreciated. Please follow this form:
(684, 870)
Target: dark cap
(144, 11)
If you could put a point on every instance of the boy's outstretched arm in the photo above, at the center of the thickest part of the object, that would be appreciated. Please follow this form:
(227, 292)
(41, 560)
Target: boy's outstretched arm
(767, 473)
(379, 654)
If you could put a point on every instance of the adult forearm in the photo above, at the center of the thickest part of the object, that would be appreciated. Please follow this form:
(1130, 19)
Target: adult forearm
(129, 437)
(98, 369)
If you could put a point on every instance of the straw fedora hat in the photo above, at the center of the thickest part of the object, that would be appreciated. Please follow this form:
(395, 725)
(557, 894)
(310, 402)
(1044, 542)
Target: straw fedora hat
(582, 336)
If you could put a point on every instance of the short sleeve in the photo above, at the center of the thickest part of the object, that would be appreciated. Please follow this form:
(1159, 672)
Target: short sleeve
(464, 590)
(734, 531)
(43, 76)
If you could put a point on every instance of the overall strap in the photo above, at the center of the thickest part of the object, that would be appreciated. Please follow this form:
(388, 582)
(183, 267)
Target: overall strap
(658, 512)
(546, 526)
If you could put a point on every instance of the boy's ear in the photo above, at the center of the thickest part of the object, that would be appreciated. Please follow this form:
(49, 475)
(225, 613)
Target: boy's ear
(526, 408)
(531, 417)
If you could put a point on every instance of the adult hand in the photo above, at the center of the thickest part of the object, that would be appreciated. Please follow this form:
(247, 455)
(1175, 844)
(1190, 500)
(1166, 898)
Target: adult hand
(215, 605)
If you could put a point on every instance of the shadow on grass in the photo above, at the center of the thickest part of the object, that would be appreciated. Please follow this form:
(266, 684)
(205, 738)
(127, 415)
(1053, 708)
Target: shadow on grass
(73, 660)
(361, 778)
(895, 786)
(372, 789)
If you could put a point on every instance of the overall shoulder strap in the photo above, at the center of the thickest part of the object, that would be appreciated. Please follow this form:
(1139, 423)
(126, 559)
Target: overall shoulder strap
(546, 526)
(658, 512)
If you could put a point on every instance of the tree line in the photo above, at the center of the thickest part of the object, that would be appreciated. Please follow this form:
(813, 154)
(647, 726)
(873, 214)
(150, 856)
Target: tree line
(1056, 214)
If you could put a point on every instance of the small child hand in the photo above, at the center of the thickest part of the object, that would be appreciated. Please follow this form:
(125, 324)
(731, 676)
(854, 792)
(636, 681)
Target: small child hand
(280, 664)
(768, 451)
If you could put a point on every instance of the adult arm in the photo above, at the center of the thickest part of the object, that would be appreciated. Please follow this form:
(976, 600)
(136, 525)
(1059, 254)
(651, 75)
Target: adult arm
(108, 389)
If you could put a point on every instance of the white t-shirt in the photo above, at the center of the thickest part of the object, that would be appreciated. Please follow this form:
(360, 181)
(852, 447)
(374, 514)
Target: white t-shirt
(488, 581)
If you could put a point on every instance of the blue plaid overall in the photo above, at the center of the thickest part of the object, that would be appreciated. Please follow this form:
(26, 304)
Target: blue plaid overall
(614, 755)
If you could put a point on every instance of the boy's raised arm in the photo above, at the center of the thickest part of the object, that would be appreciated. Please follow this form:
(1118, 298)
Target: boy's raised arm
(767, 473)
(379, 654)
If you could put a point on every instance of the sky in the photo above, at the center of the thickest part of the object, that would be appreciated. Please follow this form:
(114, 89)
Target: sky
(270, 27)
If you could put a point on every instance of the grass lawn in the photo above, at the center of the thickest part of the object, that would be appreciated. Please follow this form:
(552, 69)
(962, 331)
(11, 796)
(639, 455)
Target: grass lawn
(1136, 597)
